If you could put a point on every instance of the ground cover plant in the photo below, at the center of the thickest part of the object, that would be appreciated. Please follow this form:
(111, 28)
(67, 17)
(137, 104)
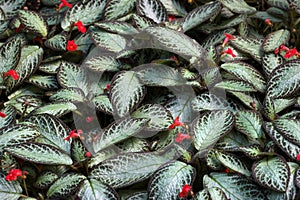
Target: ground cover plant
(149, 99)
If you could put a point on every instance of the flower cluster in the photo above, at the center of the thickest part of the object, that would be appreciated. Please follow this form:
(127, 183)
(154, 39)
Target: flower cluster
(74, 134)
(64, 3)
(14, 174)
(288, 52)
(11, 73)
(229, 51)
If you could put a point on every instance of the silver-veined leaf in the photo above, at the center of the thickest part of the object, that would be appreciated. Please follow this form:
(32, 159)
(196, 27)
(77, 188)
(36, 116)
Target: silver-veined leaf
(133, 144)
(232, 141)
(269, 108)
(118, 8)
(85, 11)
(33, 22)
(10, 53)
(18, 102)
(68, 94)
(103, 63)
(103, 104)
(138, 196)
(253, 151)
(275, 39)
(248, 99)
(10, 7)
(202, 195)
(284, 80)
(235, 187)
(78, 151)
(65, 186)
(45, 179)
(236, 85)
(270, 61)
(238, 6)
(200, 15)
(212, 161)
(56, 109)
(272, 172)
(280, 104)
(152, 9)
(167, 182)
(57, 42)
(40, 153)
(53, 129)
(121, 28)
(216, 38)
(210, 127)
(142, 22)
(211, 77)
(249, 123)
(95, 190)
(44, 82)
(10, 116)
(126, 92)
(109, 41)
(50, 67)
(289, 128)
(283, 4)
(9, 190)
(99, 157)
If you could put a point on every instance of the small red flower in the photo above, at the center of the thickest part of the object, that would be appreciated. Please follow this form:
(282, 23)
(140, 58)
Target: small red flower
(175, 123)
(80, 26)
(227, 38)
(276, 51)
(185, 191)
(298, 157)
(268, 22)
(171, 18)
(107, 87)
(230, 52)
(64, 3)
(253, 105)
(180, 137)
(12, 73)
(73, 134)
(15, 173)
(71, 46)
(20, 28)
(88, 154)
(227, 170)
(290, 53)
(3, 115)
(283, 48)
(89, 119)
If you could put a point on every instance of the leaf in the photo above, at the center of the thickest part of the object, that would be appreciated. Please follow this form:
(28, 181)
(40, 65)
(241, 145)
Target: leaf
(103, 104)
(210, 127)
(40, 153)
(126, 92)
(216, 193)
(58, 42)
(10, 53)
(253, 151)
(95, 190)
(216, 38)
(159, 118)
(248, 99)
(9, 190)
(272, 172)
(234, 186)
(10, 7)
(270, 61)
(275, 39)
(44, 82)
(232, 141)
(68, 94)
(284, 80)
(289, 128)
(138, 196)
(152, 9)
(10, 116)
(56, 109)
(249, 123)
(200, 15)
(236, 85)
(85, 11)
(117, 132)
(167, 182)
(246, 72)
(283, 4)
(78, 151)
(211, 77)
(50, 67)
(65, 186)
(160, 75)
(33, 22)
(238, 6)
(141, 22)
(121, 28)
(101, 63)
(118, 8)
(45, 179)
(202, 195)
(53, 129)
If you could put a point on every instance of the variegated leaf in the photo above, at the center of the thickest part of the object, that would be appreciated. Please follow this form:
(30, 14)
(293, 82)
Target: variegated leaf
(187, 74)
(152, 9)
(65, 186)
(236, 85)
(248, 99)
(121, 28)
(9, 190)
(138, 196)
(103, 63)
(169, 179)
(210, 127)
(216, 38)
(53, 129)
(269, 108)
(85, 11)
(200, 15)
(281, 104)
(18, 103)
(33, 22)
(109, 41)
(57, 42)
(272, 172)
(117, 132)
(238, 6)
(235, 187)
(126, 92)
(284, 80)
(78, 151)
(68, 94)
(270, 61)
(103, 104)
(232, 141)
(99, 157)
(10, 7)
(45, 179)
(212, 161)
(95, 190)
(289, 128)
(253, 151)
(216, 193)
(40, 153)
(118, 8)
(133, 144)
(275, 39)
(44, 82)
(50, 67)
(142, 22)
(56, 109)
(202, 195)
(211, 77)
(10, 53)
(283, 4)
(10, 116)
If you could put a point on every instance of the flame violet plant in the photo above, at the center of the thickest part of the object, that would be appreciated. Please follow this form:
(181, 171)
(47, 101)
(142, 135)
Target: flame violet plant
(149, 99)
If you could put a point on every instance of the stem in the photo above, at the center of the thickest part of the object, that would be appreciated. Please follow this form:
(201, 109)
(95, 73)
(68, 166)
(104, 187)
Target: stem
(25, 187)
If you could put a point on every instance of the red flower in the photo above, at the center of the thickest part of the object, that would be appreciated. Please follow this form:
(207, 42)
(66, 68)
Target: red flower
(180, 137)
(290, 53)
(298, 157)
(73, 134)
(3, 115)
(89, 119)
(107, 87)
(284, 48)
(88, 154)
(268, 22)
(175, 123)
(276, 51)
(185, 191)
(18, 30)
(80, 26)
(230, 52)
(71, 45)
(171, 18)
(227, 170)
(227, 38)
(14, 173)
(12, 73)
(64, 3)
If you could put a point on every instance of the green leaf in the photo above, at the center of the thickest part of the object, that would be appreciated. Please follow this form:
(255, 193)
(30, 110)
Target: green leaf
(249, 123)
(248, 99)
(117, 132)
(232, 141)
(10, 7)
(50, 67)
(33, 22)
(53, 129)
(10, 53)
(10, 116)
(65, 186)
(68, 94)
(167, 182)
(216, 38)
(40, 153)
(126, 92)
(238, 6)
(289, 128)
(281, 104)
(272, 172)
(253, 151)
(57, 42)
(200, 15)
(103, 104)
(121, 28)
(9, 190)
(283, 4)
(216, 193)
(284, 80)
(275, 39)
(210, 127)
(202, 195)
(78, 151)
(159, 117)
(234, 186)
(118, 8)
(152, 9)
(95, 190)
(142, 22)
(236, 85)
(101, 63)
(44, 82)
(138, 196)
(109, 41)
(269, 108)
(45, 179)
(270, 61)
(56, 109)
(85, 11)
